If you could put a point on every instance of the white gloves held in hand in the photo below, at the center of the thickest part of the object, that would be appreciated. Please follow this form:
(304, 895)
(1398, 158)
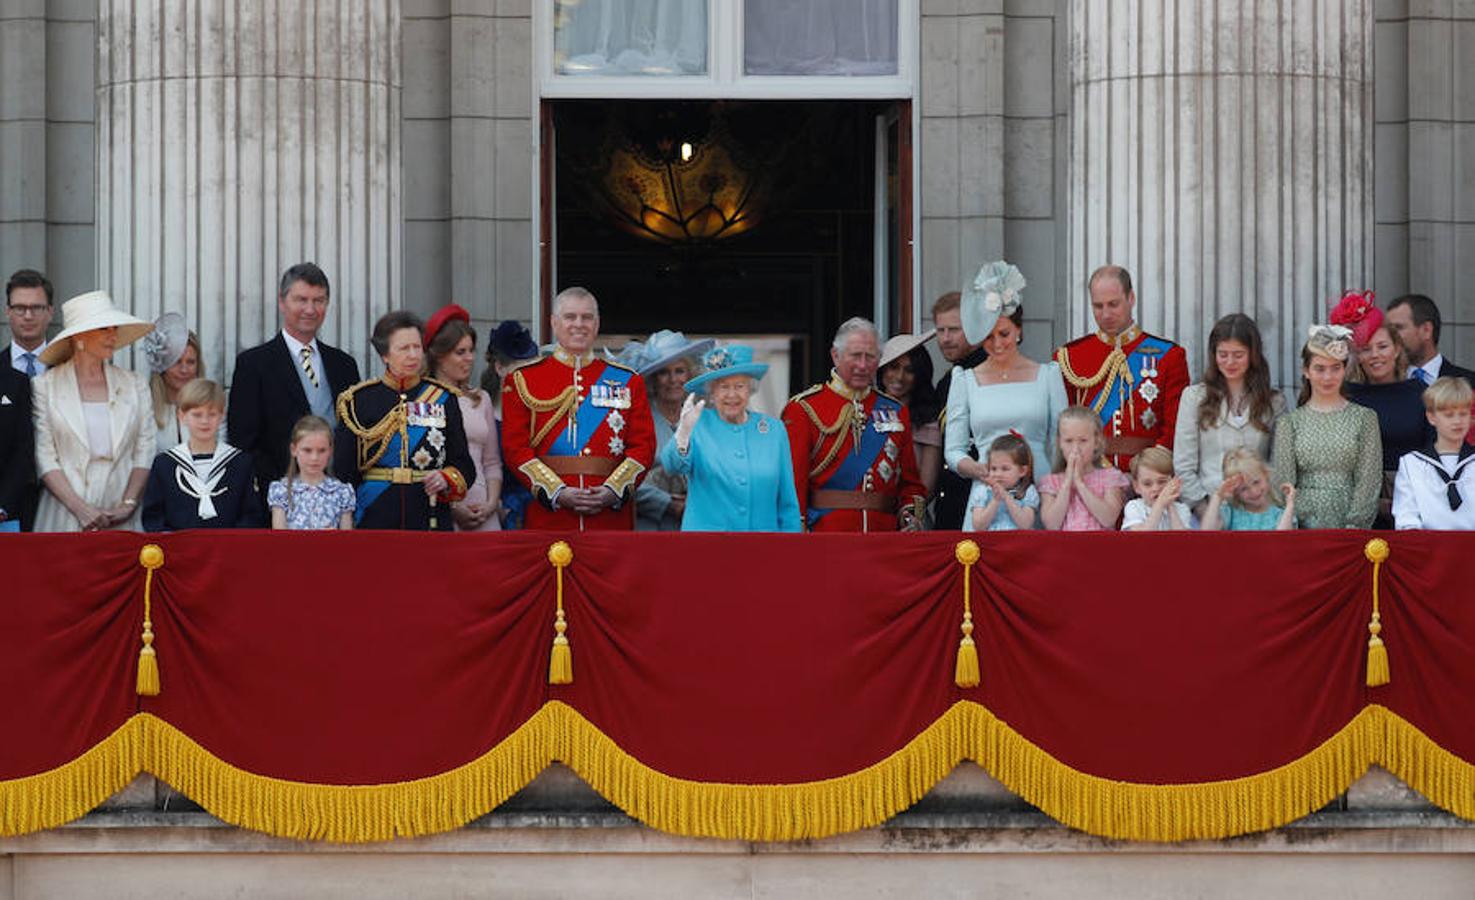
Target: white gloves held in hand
(691, 410)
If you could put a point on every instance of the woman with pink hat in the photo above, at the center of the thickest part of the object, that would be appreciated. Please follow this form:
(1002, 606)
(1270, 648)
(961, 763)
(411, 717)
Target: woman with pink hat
(94, 425)
(1379, 380)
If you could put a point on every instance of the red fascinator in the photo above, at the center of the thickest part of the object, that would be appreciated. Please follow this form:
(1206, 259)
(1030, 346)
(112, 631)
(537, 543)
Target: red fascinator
(1360, 313)
(447, 313)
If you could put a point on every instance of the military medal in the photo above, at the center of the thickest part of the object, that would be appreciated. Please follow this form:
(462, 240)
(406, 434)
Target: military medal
(436, 438)
(608, 395)
(422, 458)
(616, 421)
(428, 415)
(616, 446)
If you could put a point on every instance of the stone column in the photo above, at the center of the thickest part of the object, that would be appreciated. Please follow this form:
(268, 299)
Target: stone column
(1223, 153)
(237, 137)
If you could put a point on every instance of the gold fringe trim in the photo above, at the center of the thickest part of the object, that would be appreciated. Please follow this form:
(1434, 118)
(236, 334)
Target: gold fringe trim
(56, 797)
(757, 812)
(761, 812)
(347, 813)
(1442, 778)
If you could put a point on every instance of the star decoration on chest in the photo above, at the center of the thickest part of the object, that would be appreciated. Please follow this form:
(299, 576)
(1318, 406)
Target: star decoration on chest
(616, 421)
(616, 446)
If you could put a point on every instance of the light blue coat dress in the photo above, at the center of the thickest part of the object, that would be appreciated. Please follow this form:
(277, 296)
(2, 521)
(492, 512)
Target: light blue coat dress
(978, 414)
(740, 477)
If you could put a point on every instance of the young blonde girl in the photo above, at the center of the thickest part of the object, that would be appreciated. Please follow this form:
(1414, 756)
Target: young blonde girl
(1083, 493)
(1244, 501)
(309, 498)
(1012, 499)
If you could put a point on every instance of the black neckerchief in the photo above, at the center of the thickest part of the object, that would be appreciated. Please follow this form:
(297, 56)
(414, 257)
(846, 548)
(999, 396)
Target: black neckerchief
(1431, 456)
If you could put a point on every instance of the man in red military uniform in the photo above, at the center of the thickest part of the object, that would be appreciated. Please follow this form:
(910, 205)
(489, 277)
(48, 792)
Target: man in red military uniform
(854, 466)
(1132, 379)
(577, 429)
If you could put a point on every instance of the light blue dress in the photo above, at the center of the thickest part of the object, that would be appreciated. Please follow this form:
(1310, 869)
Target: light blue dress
(1002, 521)
(740, 477)
(653, 496)
(976, 415)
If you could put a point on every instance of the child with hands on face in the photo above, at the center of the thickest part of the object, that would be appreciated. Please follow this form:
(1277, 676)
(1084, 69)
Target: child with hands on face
(1244, 501)
(1156, 506)
(1012, 500)
(1083, 493)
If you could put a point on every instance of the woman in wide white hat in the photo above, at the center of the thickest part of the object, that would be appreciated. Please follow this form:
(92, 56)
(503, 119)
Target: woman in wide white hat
(94, 421)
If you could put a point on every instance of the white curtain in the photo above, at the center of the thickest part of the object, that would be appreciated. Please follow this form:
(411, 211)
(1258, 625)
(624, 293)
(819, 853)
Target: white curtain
(630, 37)
(820, 37)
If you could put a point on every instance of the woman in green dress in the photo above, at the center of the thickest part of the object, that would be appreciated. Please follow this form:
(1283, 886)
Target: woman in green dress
(1329, 447)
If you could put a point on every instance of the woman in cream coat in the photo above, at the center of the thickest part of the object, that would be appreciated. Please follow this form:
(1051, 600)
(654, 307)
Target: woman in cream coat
(94, 428)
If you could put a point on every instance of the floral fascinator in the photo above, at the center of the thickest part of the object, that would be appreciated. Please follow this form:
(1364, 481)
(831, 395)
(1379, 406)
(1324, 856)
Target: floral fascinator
(1358, 312)
(1331, 341)
(995, 291)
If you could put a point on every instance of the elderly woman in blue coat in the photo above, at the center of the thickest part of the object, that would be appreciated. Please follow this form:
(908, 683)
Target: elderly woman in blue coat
(740, 474)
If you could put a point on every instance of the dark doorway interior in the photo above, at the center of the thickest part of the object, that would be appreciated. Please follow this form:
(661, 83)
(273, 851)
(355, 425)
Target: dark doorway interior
(772, 233)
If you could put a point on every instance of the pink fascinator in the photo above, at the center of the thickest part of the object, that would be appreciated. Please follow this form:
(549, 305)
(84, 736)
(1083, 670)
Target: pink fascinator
(1358, 312)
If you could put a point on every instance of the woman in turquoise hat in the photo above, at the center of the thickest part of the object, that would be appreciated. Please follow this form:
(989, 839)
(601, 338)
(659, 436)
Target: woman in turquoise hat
(741, 476)
(665, 362)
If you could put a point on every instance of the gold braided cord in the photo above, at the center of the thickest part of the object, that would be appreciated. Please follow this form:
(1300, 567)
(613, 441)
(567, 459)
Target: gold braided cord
(842, 421)
(766, 812)
(373, 440)
(1115, 366)
(561, 405)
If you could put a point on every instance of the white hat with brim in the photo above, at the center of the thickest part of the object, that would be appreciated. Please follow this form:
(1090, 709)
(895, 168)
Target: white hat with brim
(90, 312)
(901, 344)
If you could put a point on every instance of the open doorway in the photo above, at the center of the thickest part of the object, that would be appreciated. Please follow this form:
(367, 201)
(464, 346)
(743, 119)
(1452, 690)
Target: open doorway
(768, 221)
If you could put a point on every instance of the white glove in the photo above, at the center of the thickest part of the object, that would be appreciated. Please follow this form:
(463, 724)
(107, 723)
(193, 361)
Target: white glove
(691, 410)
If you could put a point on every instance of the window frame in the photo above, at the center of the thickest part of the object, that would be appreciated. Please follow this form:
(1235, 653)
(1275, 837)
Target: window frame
(725, 78)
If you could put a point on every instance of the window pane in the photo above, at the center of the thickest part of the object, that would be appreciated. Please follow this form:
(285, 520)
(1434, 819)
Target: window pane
(820, 37)
(630, 37)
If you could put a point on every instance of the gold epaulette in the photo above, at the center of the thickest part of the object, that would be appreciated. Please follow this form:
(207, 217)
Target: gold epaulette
(445, 386)
(812, 389)
(560, 406)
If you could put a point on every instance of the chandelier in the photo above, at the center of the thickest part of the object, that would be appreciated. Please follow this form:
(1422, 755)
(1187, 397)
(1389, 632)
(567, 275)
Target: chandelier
(678, 176)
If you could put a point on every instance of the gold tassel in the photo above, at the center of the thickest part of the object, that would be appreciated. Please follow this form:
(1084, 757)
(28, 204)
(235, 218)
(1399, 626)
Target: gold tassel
(150, 557)
(966, 672)
(1377, 654)
(561, 663)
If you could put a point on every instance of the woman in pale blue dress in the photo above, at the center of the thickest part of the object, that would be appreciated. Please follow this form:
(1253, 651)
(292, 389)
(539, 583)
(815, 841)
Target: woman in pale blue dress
(741, 476)
(1006, 392)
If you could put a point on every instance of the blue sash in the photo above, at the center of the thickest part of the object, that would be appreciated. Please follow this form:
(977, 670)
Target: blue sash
(1149, 346)
(370, 491)
(589, 417)
(853, 469)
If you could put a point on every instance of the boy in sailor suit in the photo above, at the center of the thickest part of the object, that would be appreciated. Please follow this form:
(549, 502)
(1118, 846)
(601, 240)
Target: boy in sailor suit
(1435, 486)
(204, 482)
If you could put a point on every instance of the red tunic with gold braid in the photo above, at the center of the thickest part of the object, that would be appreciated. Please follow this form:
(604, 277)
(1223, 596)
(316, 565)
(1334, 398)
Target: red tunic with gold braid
(1133, 382)
(579, 422)
(854, 465)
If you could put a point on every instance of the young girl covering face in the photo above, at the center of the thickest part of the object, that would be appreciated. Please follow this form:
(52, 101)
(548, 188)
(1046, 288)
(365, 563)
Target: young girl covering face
(1081, 494)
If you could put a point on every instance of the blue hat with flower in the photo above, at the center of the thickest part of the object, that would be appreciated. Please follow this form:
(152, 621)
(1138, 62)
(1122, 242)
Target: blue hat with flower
(723, 362)
(512, 340)
(995, 291)
(663, 349)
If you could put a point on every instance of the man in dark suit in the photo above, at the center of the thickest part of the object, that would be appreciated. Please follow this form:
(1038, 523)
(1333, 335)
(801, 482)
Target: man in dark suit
(17, 449)
(952, 489)
(1416, 319)
(287, 377)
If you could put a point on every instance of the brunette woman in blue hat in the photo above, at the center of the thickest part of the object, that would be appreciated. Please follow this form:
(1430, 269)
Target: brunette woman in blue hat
(737, 460)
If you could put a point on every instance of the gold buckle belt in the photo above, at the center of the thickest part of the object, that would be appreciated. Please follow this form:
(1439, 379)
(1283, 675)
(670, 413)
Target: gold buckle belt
(397, 475)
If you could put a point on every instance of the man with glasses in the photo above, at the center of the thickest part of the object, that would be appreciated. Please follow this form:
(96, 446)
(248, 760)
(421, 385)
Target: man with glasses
(28, 306)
